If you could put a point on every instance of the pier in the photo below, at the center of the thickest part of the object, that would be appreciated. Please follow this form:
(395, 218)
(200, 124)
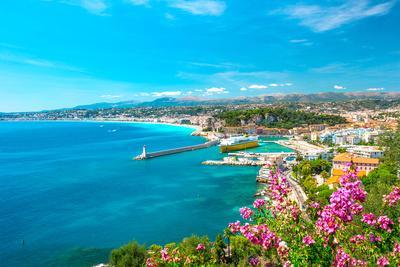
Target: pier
(150, 155)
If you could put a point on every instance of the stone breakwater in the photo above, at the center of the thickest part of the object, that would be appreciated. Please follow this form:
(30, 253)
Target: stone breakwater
(150, 155)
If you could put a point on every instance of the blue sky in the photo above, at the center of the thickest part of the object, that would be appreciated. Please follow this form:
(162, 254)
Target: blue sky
(61, 53)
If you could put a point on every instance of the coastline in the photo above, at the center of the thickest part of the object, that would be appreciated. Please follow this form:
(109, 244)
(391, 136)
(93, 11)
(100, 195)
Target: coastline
(196, 128)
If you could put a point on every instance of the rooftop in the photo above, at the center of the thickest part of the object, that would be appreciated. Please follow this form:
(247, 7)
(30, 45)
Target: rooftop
(348, 157)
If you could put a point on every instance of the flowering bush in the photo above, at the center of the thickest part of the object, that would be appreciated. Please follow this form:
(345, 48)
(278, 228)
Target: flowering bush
(276, 232)
(338, 234)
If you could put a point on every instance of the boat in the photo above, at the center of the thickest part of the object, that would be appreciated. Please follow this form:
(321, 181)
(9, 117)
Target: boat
(238, 143)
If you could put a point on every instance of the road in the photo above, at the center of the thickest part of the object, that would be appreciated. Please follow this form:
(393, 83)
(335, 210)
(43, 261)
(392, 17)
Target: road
(298, 191)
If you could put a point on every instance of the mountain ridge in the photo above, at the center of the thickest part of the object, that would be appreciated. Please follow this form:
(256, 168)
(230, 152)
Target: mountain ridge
(262, 99)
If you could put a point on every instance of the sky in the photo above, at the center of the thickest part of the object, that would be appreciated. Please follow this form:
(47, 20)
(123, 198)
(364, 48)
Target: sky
(63, 53)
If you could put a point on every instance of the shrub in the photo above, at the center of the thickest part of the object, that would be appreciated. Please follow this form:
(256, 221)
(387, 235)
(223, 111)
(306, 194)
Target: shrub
(130, 255)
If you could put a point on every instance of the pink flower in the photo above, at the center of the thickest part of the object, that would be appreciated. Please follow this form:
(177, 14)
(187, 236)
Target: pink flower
(385, 223)
(341, 258)
(283, 250)
(259, 235)
(382, 261)
(200, 247)
(150, 263)
(369, 218)
(396, 248)
(308, 240)
(164, 255)
(258, 203)
(357, 239)
(393, 198)
(254, 261)
(344, 204)
(315, 205)
(374, 238)
(234, 227)
(246, 213)
(327, 221)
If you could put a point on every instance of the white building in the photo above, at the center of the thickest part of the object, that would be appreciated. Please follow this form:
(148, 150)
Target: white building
(365, 151)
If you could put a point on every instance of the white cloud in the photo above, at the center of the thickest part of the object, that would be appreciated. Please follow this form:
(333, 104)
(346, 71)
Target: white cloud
(243, 89)
(198, 90)
(376, 89)
(200, 7)
(144, 94)
(166, 93)
(169, 16)
(139, 2)
(304, 42)
(216, 90)
(296, 41)
(339, 87)
(35, 62)
(258, 86)
(325, 18)
(111, 96)
(97, 7)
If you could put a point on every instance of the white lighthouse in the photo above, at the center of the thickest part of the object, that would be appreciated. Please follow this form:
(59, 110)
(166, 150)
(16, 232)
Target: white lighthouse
(144, 153)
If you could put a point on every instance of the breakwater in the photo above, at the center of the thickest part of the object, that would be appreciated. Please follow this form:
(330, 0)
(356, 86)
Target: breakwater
(149, 155)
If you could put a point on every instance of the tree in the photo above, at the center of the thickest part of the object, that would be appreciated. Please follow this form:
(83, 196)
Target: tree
(325, 174)
(242, 249)
(130, 255)
(390, 142)
(219, 249)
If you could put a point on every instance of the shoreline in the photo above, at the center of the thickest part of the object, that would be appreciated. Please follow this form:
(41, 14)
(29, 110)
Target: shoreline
(194, 127)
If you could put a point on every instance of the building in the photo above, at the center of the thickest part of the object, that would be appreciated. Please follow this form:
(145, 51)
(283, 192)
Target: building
(365, 151)
(317, 127)
(343, 160)
(337, 173)
(340, 140)
(353, 139)
(315, 136)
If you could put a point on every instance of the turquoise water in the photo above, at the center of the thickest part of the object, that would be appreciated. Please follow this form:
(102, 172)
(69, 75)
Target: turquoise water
(70, 191)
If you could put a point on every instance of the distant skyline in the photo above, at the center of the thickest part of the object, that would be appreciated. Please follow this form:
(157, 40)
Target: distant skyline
(64, 53)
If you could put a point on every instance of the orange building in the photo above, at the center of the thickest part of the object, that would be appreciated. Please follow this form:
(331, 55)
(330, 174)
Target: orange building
(342, 161)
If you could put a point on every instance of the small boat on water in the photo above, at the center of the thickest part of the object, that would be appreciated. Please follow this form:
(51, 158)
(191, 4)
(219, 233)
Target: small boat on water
(238, 143)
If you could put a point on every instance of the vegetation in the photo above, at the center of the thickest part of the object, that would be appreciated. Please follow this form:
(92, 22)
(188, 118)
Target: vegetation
(379, 181)
(277, 118)
(129, 255)
(275, 232)
(390, 141)
(304, 172)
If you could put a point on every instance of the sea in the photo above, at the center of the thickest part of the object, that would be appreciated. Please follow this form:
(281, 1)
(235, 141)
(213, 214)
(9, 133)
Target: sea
(70, 192)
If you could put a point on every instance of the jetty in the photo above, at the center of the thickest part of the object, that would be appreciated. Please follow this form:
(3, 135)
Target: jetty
(150, 155)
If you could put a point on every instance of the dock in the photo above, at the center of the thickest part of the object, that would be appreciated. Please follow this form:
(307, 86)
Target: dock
(235, 162)
(150, 155)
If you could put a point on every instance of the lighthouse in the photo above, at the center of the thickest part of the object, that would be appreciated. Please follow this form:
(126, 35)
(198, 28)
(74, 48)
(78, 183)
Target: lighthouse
(144, 153)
